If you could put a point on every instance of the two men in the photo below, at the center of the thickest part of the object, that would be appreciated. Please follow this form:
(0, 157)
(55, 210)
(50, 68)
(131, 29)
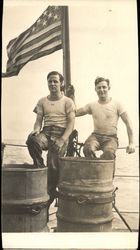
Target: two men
(55, 122)
(105, 113)
(53, 126)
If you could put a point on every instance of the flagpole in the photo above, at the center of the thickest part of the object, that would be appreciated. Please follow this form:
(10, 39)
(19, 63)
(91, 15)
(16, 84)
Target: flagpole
(66, 49)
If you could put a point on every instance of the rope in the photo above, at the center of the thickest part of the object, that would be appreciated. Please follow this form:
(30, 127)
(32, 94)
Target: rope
(21, 145)
(125, 222)
(117, 210)
(14, 145)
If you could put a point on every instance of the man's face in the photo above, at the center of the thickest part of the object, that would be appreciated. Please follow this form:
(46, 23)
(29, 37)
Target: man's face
(102, 89)
(54, 83)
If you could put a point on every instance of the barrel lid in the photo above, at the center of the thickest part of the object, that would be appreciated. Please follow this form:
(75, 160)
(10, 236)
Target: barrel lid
(21, 168)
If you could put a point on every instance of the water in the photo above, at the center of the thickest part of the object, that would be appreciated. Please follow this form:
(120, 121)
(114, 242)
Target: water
(126, 164)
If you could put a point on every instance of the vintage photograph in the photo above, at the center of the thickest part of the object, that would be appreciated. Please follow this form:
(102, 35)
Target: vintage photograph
(70, 120)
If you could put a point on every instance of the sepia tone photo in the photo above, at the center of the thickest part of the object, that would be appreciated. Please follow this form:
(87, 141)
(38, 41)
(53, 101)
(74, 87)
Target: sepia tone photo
(70, 124)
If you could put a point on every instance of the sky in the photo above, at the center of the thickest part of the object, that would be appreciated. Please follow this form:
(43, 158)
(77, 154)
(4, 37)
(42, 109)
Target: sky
(103, 42)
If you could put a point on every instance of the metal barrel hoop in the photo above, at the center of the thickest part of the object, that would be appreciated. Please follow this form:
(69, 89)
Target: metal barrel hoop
(33, 209)
(82, 199)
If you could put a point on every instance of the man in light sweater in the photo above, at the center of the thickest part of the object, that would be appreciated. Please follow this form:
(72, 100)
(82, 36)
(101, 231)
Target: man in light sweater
(105, 113)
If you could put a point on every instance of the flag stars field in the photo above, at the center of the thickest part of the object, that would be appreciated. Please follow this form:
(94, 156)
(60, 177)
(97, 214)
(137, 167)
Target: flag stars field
(45, 13)
(55, 17)
(44, 23)
(33, 29)
(49, 15)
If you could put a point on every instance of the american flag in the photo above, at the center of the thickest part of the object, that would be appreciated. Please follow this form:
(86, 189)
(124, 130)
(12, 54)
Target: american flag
(42, 38)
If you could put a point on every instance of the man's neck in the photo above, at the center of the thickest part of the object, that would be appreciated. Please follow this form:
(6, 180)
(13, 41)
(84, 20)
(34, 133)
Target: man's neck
(55, 96)
(105, 100)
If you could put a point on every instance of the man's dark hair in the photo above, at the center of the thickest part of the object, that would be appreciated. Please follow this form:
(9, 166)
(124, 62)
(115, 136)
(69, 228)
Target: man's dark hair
(100, 79)
(56, 73)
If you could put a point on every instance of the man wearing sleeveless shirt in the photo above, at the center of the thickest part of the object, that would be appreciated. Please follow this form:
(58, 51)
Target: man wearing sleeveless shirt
(53, 126)
(105, 113)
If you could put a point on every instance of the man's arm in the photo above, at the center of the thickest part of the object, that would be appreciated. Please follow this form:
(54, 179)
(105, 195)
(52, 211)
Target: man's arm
(82, 111)
(70, 125)
(131, 148)
(37, 125)
(71, 93)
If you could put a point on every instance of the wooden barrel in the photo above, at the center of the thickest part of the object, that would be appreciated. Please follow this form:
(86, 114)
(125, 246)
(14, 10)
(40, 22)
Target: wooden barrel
(85, 195)
(24, 198)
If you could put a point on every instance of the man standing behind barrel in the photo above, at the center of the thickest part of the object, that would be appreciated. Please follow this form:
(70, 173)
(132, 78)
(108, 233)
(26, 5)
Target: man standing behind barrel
(56, 114)
(105, 113)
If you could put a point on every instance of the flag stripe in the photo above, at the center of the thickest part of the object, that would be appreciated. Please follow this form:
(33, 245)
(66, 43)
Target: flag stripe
(22, 59)
(14, 71)
(41, 32)
(24, 45)
(11, 48)
(31, 37)
(47, 52)
(41, 37)
(21, 37)
(37, 43)
(10, 44)
(36, 50)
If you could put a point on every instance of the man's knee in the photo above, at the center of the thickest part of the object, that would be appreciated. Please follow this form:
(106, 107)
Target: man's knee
(85, 149)
(31, 140)
(40, 141)
(108, 154)
(33, 144)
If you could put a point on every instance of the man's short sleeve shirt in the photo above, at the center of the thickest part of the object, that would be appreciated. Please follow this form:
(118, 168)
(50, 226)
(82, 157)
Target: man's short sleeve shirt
(55, 112)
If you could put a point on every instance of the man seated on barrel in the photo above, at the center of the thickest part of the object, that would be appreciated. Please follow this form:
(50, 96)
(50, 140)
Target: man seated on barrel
(56, 114)
(105, 113)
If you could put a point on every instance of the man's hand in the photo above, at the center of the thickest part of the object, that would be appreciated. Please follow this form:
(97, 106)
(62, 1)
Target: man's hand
(70, 91)
(34, 132)
(59, 144)
(89, 153)
(130, 149)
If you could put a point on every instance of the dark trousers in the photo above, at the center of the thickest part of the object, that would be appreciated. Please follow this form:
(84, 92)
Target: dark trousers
(45, 141)
(107, 143)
